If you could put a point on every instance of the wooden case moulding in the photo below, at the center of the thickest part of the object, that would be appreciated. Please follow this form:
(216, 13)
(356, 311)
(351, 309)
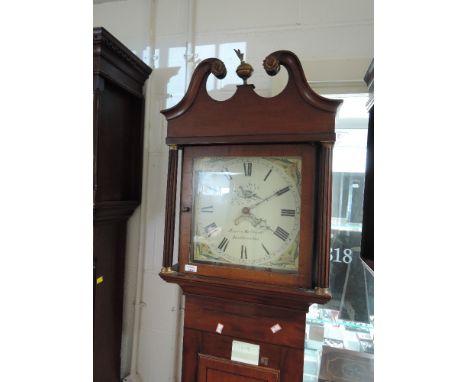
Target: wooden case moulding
(114, 61)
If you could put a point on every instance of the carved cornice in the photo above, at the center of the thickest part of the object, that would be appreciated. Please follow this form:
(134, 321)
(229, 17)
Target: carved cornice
(290, 61)
(271, 64)
(297, 114)
(101, 37)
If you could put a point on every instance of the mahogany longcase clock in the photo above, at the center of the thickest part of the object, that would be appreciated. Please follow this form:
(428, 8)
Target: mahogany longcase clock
(255, 210)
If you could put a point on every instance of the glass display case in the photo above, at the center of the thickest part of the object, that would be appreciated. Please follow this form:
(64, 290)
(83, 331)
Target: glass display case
(339, 338)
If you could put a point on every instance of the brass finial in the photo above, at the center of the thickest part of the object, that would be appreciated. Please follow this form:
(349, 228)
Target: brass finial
(244, 70)
(240, 55)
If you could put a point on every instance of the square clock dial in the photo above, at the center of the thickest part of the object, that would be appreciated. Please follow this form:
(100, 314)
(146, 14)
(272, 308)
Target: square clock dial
(247, 211)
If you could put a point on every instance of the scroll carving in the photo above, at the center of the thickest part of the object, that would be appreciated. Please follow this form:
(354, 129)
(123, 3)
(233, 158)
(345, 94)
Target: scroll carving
(198, 82)
(290, 61)
(218, 69)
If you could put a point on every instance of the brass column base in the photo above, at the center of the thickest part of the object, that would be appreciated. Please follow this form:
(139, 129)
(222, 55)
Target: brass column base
(322, 291)
(167, 270)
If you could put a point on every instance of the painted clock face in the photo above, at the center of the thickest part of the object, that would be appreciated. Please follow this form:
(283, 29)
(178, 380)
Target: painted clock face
(246, 211)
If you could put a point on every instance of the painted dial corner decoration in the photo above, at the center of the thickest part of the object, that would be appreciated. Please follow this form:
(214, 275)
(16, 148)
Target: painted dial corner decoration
(247, 211)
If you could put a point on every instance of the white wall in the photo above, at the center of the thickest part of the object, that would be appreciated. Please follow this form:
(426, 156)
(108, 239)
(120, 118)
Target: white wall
(332, 38)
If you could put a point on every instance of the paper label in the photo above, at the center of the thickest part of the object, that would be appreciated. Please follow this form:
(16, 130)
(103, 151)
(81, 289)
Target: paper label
(276, 328)
(190, 268)
(219, 328)
(245, 352)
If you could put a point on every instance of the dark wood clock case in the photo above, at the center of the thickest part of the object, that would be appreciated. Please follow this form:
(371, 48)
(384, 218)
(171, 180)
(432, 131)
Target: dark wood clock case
(250, 305)
(118, 77)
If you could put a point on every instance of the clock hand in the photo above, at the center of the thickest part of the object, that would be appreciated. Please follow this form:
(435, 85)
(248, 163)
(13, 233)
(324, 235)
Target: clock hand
(277, 193)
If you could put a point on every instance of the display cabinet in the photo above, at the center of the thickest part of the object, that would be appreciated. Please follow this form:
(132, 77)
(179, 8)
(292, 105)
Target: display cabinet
(339, 340)
(367, 245)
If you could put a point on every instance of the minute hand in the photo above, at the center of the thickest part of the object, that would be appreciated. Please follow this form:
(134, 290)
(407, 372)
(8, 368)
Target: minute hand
(277, 193)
